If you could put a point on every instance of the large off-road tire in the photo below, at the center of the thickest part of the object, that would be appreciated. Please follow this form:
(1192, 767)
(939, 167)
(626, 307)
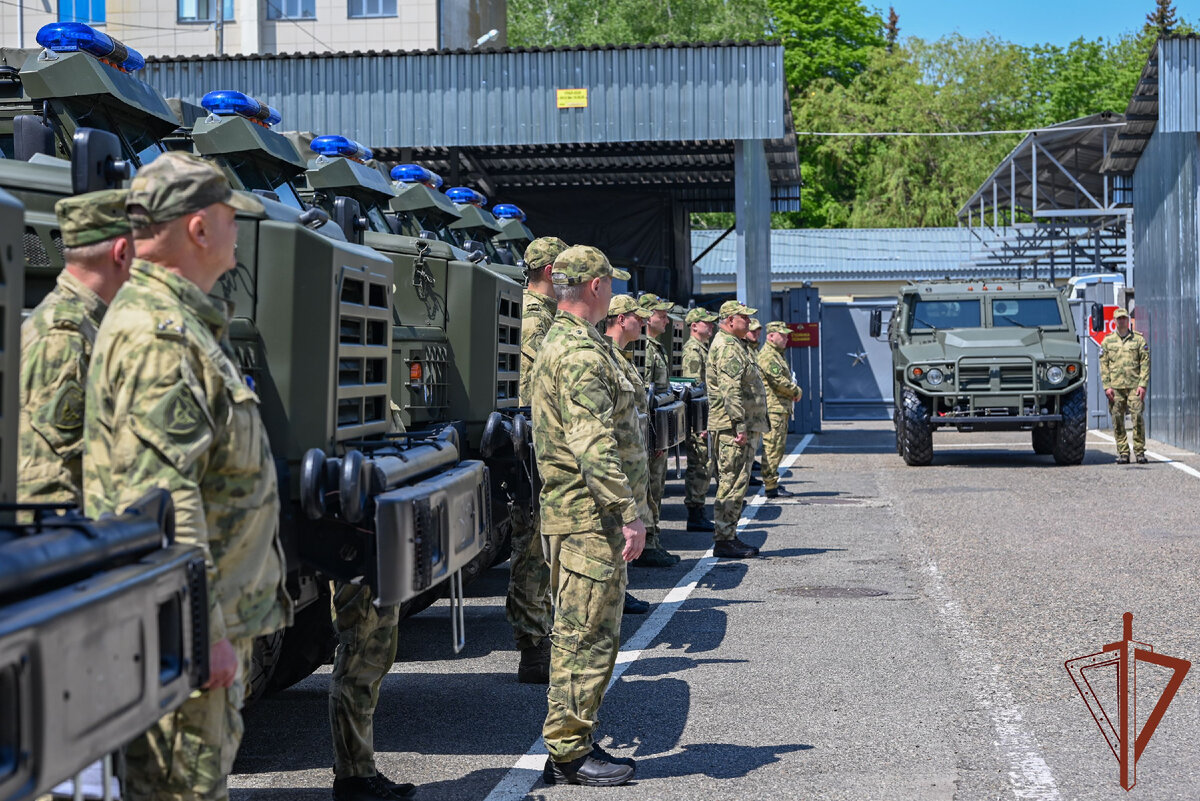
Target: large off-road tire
(1071, 443)
(281, 659)
(1043, 439)
(917, 432)
(263, 661)
(898, 422)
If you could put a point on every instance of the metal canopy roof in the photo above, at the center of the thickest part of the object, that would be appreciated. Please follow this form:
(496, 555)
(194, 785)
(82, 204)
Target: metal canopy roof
(1141, 116)
(1071, 156)
(659, 117)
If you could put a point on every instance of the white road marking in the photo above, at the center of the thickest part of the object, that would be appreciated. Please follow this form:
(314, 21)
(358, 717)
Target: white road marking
(1028, 773)
(520, 779)
(1158, 457)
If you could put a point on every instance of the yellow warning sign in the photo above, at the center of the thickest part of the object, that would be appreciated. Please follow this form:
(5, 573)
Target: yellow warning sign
(572, 98)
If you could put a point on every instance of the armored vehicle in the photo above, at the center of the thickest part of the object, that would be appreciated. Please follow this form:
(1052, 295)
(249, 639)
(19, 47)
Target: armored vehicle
(514, 234)
(986, 355)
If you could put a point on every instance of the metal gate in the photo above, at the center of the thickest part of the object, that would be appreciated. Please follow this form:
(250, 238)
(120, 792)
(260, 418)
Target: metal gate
(803, 305)
(856, 370)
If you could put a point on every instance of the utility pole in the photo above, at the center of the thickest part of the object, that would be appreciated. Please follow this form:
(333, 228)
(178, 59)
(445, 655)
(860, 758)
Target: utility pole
(21, 23)
(219, 25)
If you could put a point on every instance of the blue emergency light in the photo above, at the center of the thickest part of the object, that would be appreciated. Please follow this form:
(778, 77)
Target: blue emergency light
(75, 37)
(465, 195)
(228, 103)
(333, 145)
(507, 211)
(416, 174)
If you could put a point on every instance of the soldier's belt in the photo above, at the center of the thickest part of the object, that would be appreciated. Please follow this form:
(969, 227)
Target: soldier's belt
(88, 664)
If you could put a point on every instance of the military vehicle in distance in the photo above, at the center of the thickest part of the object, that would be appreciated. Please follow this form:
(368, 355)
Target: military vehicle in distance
(986, 355)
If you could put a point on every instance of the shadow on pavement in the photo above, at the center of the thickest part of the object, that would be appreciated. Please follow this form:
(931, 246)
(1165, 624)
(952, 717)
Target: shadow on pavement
(715, 760)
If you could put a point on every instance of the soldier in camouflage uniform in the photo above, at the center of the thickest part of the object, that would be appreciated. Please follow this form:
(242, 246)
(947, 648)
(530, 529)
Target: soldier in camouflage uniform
(167, 407)
(702, 324)
(590, 514)
(527, 606)
(737, 414)
(656, 372)
(753, 345)
(782, 392)
(57, 341)
(1125, 374)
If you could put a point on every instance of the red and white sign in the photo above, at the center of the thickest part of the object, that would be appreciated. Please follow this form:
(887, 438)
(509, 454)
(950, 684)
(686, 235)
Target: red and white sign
(804, 335)
(1110, 325)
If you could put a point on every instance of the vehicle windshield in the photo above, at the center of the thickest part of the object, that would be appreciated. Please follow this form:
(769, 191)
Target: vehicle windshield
(253, 175)
(928, 315)
(138, 143)
(378, 219)
(1026, 312)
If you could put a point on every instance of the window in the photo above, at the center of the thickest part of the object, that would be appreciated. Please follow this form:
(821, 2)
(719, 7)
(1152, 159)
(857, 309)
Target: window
(935, 314)
(204, 10)
(1026, 313)
(372, 8)
(291, 9)
(89, 11)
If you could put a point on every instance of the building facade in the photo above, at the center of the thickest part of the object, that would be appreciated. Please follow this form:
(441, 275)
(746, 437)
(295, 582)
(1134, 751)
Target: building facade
(246, 27)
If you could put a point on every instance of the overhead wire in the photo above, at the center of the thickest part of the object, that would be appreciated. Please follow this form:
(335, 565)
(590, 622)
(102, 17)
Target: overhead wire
(1052, 129)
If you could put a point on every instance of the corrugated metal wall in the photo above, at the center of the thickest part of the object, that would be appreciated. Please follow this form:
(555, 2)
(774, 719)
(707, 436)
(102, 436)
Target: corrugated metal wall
(507, 97)
(1178, 89)
(1167, 270)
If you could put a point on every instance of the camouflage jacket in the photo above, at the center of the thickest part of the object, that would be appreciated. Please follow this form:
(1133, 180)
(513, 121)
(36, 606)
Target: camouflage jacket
(167, 407)
(537, 315)
(657, 370)
(736, 398)
(634, 456)
(56, 347)
(1124, 362)
(580, 398)
(782, 391)
(695, 356)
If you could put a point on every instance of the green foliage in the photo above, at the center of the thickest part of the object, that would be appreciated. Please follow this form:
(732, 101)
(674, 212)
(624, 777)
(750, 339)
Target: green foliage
(549, 23)
(824, 39)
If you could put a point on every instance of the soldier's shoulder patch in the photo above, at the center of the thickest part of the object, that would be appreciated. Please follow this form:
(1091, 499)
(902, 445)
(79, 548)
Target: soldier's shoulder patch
(67, 316)
(180, 414)
(168, 327)
(67, 414)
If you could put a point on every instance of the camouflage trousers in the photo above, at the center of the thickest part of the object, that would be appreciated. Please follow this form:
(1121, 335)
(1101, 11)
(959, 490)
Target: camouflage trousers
(527, 606)
(188, 754)
(773, 447)
(365, 652)
(654, 495)
(1126, 401)
(699, 472)
(733, 479)
(588, 578)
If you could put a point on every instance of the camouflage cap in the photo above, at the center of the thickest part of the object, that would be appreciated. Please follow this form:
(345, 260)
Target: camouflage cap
(580, 263)
(1119, 313)
(624, 304)
(92, 217)
(543, 251)
(731, 308)
(648, 300)
(778, 327)
(755, 324)
(699, 315)
(178, 183)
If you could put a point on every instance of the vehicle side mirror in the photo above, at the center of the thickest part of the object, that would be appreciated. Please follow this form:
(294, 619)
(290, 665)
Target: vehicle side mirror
(96, 161)
(876, 322)
(1097, 317)
(347, 215)
(31, 135)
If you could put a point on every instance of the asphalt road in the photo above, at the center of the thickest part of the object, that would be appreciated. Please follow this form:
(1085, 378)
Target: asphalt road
(902, 636)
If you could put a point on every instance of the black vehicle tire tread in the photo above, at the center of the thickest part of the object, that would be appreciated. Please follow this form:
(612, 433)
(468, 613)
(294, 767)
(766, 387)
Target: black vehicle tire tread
(1044, 438)
(898, 422)
(918, 433)
(1070, 446)
(306, 645)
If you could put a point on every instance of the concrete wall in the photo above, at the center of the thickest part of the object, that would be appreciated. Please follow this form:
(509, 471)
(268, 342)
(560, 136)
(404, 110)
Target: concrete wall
(153, 28)
(1167, 282)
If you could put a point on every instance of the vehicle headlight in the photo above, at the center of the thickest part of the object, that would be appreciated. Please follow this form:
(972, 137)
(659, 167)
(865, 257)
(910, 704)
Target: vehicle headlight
(935, 376)
(1055, 375)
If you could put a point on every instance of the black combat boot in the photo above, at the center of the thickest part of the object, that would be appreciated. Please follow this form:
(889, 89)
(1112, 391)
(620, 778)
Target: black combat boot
(779, 492)
(635, 607)
(697, 520)
(371, 788)
(590, 770)
(733, 549)
(535, 663)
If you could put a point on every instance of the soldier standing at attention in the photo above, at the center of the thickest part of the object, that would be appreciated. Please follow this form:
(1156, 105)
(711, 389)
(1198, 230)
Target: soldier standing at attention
(737, 415)
(589, 513)
(168, 407)
(622, 327)
(57, 341)
(656, 373)
(782, 392)
(527, 606)
(696, 479)
(1125, 374)
(752, 344)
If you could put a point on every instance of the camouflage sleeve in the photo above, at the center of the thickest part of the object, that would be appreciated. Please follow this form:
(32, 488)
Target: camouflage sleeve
(725, 376)
(693, 363)
(533, 331)
(158, 434)
(1105, 379)
(777, 378)
(51, 387)
(1144, 375)
(589, 431)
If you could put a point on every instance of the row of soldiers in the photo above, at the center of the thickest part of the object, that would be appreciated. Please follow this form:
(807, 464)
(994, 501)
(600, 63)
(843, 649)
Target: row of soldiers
(601, 489)
(128, 382)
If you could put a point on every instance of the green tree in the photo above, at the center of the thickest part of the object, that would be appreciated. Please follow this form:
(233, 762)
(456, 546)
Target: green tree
(824, 39)
(548, 23)
(891, 32)
(1162, 18)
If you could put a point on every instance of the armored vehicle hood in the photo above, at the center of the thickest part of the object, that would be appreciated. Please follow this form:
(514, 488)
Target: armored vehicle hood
(957, 343)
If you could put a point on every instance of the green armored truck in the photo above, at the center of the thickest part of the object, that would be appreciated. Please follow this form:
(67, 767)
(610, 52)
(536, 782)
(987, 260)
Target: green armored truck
(986, 356)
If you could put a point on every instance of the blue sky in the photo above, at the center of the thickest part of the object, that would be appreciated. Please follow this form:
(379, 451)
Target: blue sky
(1026, 21)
